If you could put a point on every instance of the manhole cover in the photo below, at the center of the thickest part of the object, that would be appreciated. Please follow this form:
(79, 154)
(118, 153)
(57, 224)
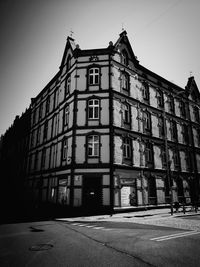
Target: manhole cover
(40, 247)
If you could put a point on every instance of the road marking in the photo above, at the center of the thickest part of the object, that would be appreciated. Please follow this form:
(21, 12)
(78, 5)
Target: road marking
(173, 236)
(97, 228)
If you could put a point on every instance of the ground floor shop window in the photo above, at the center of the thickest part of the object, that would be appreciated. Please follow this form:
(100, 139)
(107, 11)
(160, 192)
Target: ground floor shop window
(126, 192)
(63, 192)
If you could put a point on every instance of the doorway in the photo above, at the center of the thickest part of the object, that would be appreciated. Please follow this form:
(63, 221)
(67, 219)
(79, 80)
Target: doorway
(92, 192)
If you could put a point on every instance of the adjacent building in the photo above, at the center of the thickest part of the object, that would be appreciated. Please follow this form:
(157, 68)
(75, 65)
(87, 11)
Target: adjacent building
(107, 132)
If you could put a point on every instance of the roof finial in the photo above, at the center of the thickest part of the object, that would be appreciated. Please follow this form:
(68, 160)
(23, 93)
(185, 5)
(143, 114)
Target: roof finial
(71, 33)
(191, 73)
(122, 26)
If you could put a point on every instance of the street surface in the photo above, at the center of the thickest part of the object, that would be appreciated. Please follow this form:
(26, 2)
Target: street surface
(102, 242)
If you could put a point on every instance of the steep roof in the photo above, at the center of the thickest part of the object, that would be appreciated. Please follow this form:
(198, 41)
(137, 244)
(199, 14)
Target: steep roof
(123, 39)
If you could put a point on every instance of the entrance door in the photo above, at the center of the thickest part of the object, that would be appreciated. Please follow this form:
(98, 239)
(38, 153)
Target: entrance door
(92, 192)
(152, 190)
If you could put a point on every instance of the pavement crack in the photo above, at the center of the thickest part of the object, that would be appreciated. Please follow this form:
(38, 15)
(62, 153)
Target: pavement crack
(106, 244)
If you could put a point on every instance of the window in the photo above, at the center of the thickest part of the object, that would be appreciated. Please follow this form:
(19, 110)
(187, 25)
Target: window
(93, 109)
(145, 91)
(182, 109)
(161, 126)
(38, 135)
(125, 81)
(124, 58)
(126, 115)
(66, 116)
(163, 157)
(196, 114)
(187, 160)
(45, 130)
(34, 117)
(146, 122)
(56, 98)
(68, 62)
(47, 105)
(160, 98)
(43, 158)
(67, 86)
(64, 149)
(127, 151)
(148, 152)
(185, 133)
(40, 111)
(93, 76)
(36, 160)
(93, 146)
(173, 130)
(171, 104)
(176, 158)
(32, 138)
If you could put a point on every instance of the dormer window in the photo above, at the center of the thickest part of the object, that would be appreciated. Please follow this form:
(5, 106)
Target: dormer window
(93, 76)
(67, 86)
(124, 58)
(68, 62)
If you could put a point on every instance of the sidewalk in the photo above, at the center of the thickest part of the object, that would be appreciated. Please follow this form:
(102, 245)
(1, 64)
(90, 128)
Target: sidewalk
(161, 217)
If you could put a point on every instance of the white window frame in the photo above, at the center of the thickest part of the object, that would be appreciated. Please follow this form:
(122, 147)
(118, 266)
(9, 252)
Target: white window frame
(93, 109)
(93, 146)
(94, 75)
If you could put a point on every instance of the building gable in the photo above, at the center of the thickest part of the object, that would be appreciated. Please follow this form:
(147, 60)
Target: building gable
(192, 90)
(69, 51)
(123, 46)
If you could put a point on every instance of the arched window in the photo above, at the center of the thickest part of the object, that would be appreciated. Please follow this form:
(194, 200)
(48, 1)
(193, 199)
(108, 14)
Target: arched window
(124, 58)
(93, 109)
(93, 76)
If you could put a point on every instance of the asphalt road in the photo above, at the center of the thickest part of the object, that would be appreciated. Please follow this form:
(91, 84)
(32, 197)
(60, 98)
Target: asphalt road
(53, 243)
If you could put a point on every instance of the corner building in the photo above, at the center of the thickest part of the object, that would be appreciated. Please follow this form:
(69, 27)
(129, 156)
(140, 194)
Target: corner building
(106, 132)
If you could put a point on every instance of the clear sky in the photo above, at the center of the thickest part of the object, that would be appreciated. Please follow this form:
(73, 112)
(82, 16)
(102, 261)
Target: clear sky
(164, 36)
